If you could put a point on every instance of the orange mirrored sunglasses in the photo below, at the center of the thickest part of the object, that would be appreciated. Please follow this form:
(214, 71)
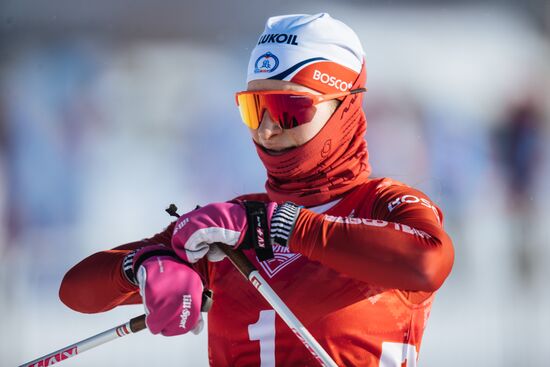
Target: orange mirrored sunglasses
(288, 108)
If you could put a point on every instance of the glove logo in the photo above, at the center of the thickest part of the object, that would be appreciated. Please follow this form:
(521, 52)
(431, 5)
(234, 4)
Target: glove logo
(266, 63)
(187, 300)
(260, 232)
(180, 225)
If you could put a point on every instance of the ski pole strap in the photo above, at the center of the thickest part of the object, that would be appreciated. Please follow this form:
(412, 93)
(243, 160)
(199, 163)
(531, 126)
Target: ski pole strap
(258, 229)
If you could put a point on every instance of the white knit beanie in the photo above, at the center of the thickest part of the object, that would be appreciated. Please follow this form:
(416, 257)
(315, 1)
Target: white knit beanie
(317, 51)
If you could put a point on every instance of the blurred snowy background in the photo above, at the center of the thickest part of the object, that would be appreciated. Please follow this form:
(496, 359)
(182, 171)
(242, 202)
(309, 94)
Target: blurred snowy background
(109, 111)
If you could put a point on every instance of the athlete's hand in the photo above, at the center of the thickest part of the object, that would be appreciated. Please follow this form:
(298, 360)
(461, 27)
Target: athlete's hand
(226, 223)
(171, 291)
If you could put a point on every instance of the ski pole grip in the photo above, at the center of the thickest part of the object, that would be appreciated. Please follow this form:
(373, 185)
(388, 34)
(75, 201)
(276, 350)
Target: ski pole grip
(239, 259)
(137, 324)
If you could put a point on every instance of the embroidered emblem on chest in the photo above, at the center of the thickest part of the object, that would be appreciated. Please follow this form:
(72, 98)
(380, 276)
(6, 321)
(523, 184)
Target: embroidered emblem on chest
(283, 257)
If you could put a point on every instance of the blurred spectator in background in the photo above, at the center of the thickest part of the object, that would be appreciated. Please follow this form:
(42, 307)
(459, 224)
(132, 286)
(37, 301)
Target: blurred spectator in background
(45, 122)
(518, 143)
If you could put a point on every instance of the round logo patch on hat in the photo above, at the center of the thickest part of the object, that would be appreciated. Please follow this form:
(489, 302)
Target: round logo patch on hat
(266, 63)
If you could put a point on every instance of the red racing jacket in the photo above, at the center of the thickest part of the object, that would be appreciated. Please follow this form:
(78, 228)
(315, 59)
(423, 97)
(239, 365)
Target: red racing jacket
(360, 273)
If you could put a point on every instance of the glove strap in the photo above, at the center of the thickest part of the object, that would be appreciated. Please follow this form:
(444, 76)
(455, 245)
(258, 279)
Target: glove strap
(258, 229)
(150, 254)
(129, 268)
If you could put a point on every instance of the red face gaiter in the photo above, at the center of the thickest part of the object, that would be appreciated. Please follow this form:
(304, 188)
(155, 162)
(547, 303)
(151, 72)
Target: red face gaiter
(327, 166)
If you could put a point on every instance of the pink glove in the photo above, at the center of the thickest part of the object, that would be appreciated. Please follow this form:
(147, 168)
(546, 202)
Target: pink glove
(171, 292)
(219, 222)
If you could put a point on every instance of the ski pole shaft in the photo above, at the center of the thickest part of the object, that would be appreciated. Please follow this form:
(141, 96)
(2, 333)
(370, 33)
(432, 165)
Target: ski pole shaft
(250, 272)
(133, 326)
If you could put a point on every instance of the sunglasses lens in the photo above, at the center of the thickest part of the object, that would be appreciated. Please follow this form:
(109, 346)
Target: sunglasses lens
(250, 109)
(290, 110)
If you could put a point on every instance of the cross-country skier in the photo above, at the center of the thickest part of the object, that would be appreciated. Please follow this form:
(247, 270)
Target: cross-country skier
(357, 259)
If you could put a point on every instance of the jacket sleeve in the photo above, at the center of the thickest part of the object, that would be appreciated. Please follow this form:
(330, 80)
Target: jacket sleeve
(97, 283)
(400, 245)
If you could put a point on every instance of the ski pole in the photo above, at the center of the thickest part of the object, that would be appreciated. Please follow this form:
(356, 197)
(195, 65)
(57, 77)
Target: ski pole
(133, 326)
(247, 269)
